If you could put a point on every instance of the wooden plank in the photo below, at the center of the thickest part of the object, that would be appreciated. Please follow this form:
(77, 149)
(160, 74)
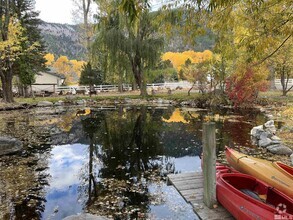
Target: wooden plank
(209, 164)
(190, 187)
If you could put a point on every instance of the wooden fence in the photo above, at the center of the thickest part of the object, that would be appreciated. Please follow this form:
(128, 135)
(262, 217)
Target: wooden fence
(152, 86)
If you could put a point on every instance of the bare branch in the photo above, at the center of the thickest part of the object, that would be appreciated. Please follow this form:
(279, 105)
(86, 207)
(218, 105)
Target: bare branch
(271, 54)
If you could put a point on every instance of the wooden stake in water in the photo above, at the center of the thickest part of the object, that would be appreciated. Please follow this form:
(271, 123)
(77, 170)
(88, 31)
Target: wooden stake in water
(209, 164)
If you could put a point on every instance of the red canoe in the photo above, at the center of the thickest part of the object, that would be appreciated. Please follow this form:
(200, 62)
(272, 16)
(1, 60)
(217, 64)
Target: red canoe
(246, 197)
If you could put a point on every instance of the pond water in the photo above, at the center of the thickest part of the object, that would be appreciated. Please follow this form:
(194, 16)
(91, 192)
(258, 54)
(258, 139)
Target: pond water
(108, 161)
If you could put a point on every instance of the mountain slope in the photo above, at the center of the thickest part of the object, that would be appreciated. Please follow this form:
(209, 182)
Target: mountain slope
(63, 39)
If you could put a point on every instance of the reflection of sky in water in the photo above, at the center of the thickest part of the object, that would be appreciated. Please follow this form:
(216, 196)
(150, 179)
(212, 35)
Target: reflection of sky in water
(173, 205)
(187, 164)
(65, 166)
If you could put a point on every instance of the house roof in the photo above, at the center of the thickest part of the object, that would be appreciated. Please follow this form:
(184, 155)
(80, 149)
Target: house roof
(54, 74)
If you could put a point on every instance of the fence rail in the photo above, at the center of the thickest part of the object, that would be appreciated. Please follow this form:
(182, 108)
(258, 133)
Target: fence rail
(125, 87)
(151, 86)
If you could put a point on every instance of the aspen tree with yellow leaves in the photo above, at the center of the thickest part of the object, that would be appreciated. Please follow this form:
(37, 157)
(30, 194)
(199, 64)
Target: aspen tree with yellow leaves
(71, 69)
(10, 51)
(50, 59)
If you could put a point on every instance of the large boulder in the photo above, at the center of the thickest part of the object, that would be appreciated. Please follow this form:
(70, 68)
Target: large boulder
(9, 145)
(85, 217)
(264, 142)
(257, 131)
(269, 127)
(279, 149)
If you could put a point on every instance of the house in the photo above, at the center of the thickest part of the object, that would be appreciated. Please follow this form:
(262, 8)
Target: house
(47, 81)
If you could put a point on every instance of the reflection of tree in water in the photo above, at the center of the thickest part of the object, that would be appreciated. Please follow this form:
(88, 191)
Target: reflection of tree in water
(23, 176)
(130, 145)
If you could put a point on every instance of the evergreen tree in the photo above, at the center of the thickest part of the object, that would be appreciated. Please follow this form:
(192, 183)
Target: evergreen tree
(22, 49)
(90, 76)
(32, 61)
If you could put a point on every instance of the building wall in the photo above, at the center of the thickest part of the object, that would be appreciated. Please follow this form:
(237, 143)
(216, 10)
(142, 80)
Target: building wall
(46, 78)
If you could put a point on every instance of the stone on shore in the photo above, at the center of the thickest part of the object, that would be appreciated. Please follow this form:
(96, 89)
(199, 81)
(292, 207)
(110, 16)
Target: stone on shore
(264, 136)
(45, 104)
(257, 131)
(9, 145)
(279, 149)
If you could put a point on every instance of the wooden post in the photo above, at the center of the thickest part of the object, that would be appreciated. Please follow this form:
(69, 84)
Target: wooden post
(209, 164)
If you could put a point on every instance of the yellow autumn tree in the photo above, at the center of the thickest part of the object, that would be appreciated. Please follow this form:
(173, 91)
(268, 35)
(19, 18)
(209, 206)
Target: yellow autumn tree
(50, 59)
(77, 66)
(62, 65)
(178, 60)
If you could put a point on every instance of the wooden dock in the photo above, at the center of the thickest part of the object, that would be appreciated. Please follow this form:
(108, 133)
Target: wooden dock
(190, 186)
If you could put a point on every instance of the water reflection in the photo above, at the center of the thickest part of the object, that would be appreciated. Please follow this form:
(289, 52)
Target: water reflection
(62, 194)
(111, 163)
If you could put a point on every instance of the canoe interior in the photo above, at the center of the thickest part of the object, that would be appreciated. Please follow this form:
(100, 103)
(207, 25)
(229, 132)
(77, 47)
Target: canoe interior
(285, 167)
(267, 195)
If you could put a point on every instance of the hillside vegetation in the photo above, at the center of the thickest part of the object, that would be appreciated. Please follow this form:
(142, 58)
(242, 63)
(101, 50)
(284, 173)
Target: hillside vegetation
(63, 40)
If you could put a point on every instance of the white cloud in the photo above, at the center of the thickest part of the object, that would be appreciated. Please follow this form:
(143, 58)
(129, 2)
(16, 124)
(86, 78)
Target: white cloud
(55, 11)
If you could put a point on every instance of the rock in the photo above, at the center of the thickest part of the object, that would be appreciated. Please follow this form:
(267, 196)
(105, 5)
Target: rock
(279, 149)
(270, 127)
(264, 142)
(81, 102)
(160, 101)
(85, 217)
(257, 131)
(69, 98)
(127, 100)
(275, 138)
(59, 103)
(291, 156)
(44, 104)
(264, 135)
(184, 103)
(167, 101)
(270, 123)
(270, 117)
(9, 145)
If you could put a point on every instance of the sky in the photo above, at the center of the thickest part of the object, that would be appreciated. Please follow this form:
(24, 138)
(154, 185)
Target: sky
(55, 11)
(60, 11)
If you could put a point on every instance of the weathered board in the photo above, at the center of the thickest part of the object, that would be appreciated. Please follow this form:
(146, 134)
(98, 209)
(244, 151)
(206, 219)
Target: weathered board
(190, 186)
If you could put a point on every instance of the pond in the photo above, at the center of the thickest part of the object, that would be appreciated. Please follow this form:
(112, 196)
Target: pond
(109, 161)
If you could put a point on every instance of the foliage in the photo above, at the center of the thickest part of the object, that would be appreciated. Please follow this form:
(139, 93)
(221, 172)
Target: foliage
(178, 60)
(198, 74)
(283, 65)
(243, 86)
(50, 59)
(31, 60)
(126, 46)
(163, 72)
(71, 69)
(10, 49)
(90, 76)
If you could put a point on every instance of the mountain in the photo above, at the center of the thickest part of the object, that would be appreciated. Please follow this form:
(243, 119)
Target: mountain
(63, 39)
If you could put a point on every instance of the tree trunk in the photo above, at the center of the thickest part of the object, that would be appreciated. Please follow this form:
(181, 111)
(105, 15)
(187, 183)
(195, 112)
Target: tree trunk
(139, 78)
(134, 85)
(6, 79)
(191, 89)
(120, 86)
(143, 86)
(26, 93)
